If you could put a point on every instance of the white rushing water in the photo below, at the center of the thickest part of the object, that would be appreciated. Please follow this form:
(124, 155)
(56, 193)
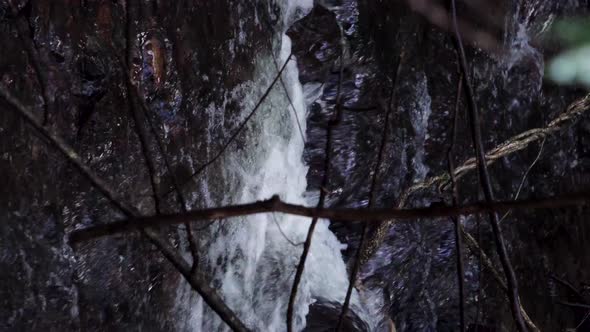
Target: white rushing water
(252, 261)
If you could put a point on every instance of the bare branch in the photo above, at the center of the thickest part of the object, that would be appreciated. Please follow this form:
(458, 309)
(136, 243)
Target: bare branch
(574, 304)
(67, 152)
(181, 199)
(582, 321)
(26, 36)
(516, 143)
(238, 130)
(477, 250)
(328, 153)
(524, 176)
(357, 260)
(456, 220)
(344, 215)
(568, 285)
(484, 178)
(197, 281)
(276, 63)
(291, 242)
(134, 94)
(139, 127)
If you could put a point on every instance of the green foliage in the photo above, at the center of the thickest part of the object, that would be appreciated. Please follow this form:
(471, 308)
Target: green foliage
(573, 32)
(572, 66)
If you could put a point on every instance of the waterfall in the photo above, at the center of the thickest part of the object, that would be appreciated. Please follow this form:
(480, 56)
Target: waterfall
(251, 261)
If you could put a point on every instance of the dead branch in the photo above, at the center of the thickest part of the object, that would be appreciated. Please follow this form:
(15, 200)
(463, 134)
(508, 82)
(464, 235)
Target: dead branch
(357, 260)
(574, 304)
(487, 262)
(196, 280)
(26, 36)
(144, 147)
(182, 202)
(524, 176)
(582, 321)
(274, 204)
(135, 95)
(276, 63)
(485, 180)
(457, 221)
(569, 286)
(181, 199)
(512, 145)
(136, 99)
(332, 123)
(516, 143)
(242, 125)
(139, 127)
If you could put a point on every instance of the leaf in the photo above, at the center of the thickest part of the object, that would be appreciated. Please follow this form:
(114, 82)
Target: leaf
(571, 66)
(573, 32)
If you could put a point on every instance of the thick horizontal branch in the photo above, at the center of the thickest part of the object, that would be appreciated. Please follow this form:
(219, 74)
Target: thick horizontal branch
(344, 215)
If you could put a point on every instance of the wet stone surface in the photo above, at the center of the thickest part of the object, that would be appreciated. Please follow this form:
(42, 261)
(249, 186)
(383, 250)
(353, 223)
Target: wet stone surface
(415, 268)
(186, 58)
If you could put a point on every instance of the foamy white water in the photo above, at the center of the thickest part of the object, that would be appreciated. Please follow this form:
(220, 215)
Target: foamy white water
(251, 260)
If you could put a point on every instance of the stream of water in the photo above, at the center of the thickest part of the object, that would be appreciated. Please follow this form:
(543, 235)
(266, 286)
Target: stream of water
(252, 260)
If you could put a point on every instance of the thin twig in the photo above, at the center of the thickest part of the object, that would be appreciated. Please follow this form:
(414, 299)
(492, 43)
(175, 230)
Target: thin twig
(69, 153)
(238, 130)
(456, 220)
(477, 250)
(582, 321)
(474, 247)
(144, 147)
(271, 27)
(139, 127)
(357, 260)
(485, 181)
(568, 285)
(328, 153)
(289, 98)
(136, 95)
(283, 233)
(574, 304)
(524, 176)
(196, 280)
(182, 202)
(26, 36)
(514, 144)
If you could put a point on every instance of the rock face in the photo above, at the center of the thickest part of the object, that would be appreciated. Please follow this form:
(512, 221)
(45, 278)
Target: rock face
(415, 266)
(64, 59)
(72, 53)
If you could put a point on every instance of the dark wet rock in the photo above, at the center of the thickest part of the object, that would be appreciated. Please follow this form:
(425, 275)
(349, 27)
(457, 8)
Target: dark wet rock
(323, 317)
(416, 264)
(316, 38)
(184, 50)
(186, 57)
